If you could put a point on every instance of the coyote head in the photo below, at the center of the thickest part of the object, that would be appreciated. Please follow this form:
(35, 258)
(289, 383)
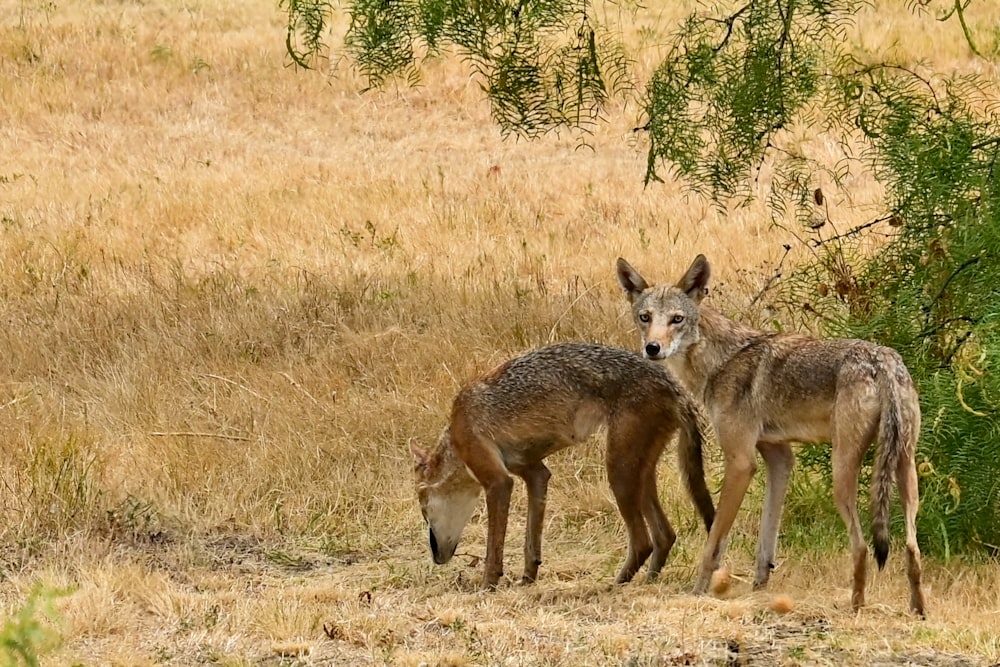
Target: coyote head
(667, 317)
(448, 494)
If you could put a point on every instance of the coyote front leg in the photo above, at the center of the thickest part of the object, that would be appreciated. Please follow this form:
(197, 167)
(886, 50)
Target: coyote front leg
(738, 469)
(536, 480)
(489, 469)
(498, 492)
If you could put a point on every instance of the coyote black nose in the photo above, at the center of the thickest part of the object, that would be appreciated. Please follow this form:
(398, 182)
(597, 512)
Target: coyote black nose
(652, 349)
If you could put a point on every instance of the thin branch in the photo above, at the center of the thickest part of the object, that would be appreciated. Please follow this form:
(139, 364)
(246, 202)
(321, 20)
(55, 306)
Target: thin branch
(960, 10)
(983, 144)
(552, 330)
(928, 309)
(962, 267)
(942, 325)
(730, 22)
(955, 348)
(854, 231)
(869, 69)
(13, 401)
(773, 278)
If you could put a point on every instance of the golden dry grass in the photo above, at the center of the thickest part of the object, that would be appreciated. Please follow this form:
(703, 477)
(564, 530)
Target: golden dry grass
(230, 292)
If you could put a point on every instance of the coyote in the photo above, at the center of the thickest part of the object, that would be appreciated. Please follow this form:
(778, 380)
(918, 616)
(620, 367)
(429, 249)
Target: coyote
(508, 420)
(764, 391)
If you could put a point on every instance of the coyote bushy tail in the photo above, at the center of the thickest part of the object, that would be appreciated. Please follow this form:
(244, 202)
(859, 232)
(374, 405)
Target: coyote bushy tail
(893, 444)
(692, 464)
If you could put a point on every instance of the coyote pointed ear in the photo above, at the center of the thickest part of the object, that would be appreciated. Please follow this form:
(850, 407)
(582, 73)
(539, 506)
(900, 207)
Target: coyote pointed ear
(695, 281)
(630, 280)
(419, 454)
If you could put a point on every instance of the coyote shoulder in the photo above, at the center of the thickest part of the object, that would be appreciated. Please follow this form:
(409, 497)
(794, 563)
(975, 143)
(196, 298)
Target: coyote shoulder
(507, 421)
(764, 391)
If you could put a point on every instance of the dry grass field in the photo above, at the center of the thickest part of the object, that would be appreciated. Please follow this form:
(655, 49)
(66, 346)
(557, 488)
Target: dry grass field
(230, 292)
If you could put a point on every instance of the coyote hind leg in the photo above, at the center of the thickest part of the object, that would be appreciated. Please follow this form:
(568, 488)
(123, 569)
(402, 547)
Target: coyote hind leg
(623, 459)
(662, 532)
(779, 459)
(846, 462)
(906, 478)
(536, 480)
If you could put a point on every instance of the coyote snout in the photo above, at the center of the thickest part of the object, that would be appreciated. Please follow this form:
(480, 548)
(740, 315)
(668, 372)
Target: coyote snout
(510, 419)
(764, 391)
(654, 351)
(440, 557)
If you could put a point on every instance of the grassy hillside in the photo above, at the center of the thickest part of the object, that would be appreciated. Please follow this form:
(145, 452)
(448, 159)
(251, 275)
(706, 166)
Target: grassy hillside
(231, 292)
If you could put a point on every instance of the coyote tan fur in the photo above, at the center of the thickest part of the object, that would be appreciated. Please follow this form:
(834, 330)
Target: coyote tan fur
(764, 391)
(507, 421)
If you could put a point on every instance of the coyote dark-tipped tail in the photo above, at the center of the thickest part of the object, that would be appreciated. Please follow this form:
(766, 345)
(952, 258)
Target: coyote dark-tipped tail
(892, 444)
(692, 464)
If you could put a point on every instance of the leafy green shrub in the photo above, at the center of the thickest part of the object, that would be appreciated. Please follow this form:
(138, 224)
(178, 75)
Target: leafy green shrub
(28, 634)
(932, 292)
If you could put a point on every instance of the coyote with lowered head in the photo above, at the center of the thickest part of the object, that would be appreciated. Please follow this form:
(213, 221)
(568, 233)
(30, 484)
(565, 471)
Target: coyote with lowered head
(766, 390)
(507, 421)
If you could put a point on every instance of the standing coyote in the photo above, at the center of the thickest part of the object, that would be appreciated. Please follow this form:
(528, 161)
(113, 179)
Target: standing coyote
(514, 416)
(765, 391)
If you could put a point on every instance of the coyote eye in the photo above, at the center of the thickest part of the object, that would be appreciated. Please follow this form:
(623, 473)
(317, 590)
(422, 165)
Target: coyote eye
(644, 317)
(676, 319)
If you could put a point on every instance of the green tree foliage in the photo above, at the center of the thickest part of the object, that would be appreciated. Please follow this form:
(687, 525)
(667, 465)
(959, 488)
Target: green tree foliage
(735, 94)
(544, 64)
(729, 85)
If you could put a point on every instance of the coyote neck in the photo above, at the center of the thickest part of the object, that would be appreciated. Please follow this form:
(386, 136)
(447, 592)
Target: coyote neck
(449, 467)
(720, 338)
